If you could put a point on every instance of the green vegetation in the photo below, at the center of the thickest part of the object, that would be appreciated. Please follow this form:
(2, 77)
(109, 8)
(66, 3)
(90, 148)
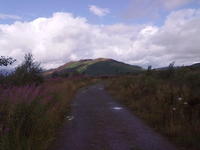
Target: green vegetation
(96, 67)
(28, 73)
(168, 100)
(111, 67)
(5, 61)
(81, 65)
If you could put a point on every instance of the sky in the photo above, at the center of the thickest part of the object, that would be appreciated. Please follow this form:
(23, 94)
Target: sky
(139, 32)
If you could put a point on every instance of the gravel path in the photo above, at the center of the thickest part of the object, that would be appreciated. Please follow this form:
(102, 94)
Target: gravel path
(99, 123)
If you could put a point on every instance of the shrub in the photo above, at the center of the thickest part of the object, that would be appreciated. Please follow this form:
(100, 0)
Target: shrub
(29, 72)
(6, 61)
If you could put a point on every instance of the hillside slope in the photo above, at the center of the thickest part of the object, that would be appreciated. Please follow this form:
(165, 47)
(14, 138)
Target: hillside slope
(94, 67)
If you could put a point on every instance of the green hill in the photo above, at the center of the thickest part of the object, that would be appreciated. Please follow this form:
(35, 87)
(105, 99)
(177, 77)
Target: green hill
(94, 67)
(197, 65)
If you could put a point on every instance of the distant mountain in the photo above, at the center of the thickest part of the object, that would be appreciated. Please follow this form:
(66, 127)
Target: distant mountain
(94, 67)
(193, 66)
(197, 65)
(5, 72)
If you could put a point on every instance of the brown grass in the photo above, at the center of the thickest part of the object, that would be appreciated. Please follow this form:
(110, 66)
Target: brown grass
(170, 108)
(30, 116)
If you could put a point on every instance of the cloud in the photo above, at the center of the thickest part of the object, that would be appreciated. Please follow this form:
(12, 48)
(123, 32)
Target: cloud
(152, 9)
(98, 11)
(171, 4)
(179, 36)
(63, 37)
(7, 16)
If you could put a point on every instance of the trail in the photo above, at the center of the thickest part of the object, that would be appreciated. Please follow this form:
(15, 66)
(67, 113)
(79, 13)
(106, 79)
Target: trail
(98, 122)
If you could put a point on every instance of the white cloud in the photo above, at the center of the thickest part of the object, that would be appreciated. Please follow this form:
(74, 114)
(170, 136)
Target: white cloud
(7, 16)
(171, 4)
(98, 11)
(64, 37)
(179, 36)
(151, 9)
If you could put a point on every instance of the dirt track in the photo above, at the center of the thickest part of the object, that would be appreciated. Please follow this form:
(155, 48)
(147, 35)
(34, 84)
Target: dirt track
(99, 123)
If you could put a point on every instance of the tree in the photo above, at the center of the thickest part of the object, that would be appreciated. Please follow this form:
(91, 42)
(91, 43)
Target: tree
(149, 70)
(168, 72)
(29, 72)
(171, 68)
(5, 61)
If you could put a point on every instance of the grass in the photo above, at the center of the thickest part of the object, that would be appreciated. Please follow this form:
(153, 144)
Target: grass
(169, 105)
(30, 116)
(81, 66)
(96, 67)
(74, 65)
(81, 69)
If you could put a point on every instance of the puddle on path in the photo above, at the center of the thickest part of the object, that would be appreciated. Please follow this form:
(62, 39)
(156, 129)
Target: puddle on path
(117, 108)
(70, 118)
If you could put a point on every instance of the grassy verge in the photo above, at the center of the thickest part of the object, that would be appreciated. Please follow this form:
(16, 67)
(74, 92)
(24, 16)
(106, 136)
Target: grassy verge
(30, 116)
(169, 106)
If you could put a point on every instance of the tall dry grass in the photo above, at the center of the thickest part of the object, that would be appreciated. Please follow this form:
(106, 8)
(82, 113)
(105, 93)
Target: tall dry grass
(30, 116)
(169, 106)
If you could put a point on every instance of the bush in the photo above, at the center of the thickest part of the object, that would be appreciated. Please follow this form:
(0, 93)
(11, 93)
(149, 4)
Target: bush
(6, 61)
(29, 72)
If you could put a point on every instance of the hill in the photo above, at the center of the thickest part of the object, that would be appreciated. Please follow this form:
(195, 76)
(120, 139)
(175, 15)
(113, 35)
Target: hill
(197, 65)
(5, 72)
(93, 67)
